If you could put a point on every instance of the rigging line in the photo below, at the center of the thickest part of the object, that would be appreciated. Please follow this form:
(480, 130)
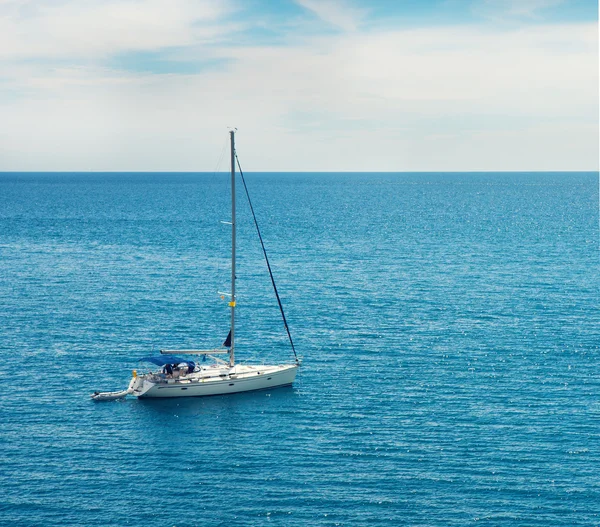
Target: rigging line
(220, 160)
(267, 260)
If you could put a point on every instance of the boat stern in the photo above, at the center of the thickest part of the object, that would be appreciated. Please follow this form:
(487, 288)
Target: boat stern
(140, 384)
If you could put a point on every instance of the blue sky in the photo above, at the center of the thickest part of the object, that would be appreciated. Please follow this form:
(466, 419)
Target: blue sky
(443, 85)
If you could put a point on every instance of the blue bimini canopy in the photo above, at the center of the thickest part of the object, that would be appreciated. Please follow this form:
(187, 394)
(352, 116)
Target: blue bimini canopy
(167, 359)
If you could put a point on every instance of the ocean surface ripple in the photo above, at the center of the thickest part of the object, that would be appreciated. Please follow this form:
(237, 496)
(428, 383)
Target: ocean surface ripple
(448, 325)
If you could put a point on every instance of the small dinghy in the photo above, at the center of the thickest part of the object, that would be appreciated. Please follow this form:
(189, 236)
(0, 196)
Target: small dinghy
(109, 396)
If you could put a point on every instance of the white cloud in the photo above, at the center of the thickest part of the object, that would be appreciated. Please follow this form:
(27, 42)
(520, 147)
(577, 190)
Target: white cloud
(453, 98)
(74, 29)
(335, 12)
(513, 9)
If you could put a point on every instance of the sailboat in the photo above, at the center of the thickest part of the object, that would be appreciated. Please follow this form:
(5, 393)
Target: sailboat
(180, 376)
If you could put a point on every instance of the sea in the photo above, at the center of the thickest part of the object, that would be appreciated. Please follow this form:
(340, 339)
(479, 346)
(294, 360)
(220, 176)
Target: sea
(448, 326)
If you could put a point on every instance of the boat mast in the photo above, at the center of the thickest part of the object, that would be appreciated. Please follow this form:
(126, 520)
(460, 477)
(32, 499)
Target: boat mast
(232, 302)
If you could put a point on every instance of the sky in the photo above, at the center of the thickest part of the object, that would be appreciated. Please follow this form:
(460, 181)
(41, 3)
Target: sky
(310, 85)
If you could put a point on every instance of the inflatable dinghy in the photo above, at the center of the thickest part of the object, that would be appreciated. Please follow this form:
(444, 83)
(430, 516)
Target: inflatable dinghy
(109, 396)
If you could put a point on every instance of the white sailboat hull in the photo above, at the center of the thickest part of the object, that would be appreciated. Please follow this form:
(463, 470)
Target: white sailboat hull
(215, 381)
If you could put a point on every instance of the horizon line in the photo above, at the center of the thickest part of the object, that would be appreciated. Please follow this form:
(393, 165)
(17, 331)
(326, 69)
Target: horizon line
(516, 171)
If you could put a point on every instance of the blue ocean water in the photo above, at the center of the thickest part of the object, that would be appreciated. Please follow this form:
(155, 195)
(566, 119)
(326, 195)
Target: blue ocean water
(448, 324)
